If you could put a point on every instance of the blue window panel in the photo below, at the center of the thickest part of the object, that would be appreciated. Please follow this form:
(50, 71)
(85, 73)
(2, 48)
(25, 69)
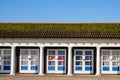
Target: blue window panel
(24, 67)
(51, 68)
(115, 68)
(6, 67)
(34, 67)
(51, 52)
(61, 52)
(61, 68)
(79, 52)
(0, 67)
(106, 68)
(88, 52)
(88, 68)
(78, 68)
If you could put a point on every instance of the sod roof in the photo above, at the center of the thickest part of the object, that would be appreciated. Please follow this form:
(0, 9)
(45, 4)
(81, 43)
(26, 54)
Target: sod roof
(60, 30)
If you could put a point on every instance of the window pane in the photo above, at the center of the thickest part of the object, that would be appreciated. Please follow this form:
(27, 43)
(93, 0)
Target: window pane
(51, 57)
(105, 63)
(79, 52)
(61, 63)
(105, 57)
(61, 52)
(34, 52)
(51, 62)
(78, 57)
(7, 52)
(115, 53)
(88, 63)
(115, 63)
(7, 57)
(51, 53)
(88, 52)
(88, 57)
(115, 57)
(6, 62)
(33, 63)
(106, 52)
(24, 62)
(61, 57)
(0, 63)
(78, 62)
(0, 52)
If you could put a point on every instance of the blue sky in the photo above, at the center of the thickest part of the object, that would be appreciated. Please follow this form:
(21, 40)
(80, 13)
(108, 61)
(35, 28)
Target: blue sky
(59, 10)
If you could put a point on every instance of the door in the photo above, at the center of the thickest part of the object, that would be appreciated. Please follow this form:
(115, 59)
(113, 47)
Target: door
(56, 61)
(5, 60)
(29, 60)
(83, 61)
(110, 62)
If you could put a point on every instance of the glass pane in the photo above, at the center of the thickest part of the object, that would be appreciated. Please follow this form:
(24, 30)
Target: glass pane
(78, 57)
(0, 58)
(88, 63)
(61, 57)
(7, 57)
(51, 62)
(24, 57)
(115, 53)
(79, 52)
(78, 62)
(0, 52)
(33, 63)
(51, 57)
(105, 57)
(34, 57)
(34, 52)
(24, 62)
(61, 63)
(6, 62)
(24, 54)
(105, 63)
(51, 53)
(0, 63)
(106, 52)
(61, 52)
(115, 57)
(115, 63)
(7, 52)
(88, 52)
(88, 57)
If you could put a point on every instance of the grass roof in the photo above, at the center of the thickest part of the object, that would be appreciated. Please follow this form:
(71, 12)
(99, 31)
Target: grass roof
(65, 30)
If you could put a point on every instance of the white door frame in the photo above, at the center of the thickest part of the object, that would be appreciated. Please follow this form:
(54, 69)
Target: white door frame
(56, 61)
(83, 71)
(2, 61)
(29, 62)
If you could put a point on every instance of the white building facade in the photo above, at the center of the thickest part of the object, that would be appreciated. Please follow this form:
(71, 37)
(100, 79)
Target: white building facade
(66, 56)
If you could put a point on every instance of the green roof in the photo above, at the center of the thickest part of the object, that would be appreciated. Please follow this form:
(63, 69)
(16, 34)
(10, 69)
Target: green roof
(59, 30)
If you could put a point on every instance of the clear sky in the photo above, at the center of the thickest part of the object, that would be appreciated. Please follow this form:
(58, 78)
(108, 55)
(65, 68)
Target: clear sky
(59, 10)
